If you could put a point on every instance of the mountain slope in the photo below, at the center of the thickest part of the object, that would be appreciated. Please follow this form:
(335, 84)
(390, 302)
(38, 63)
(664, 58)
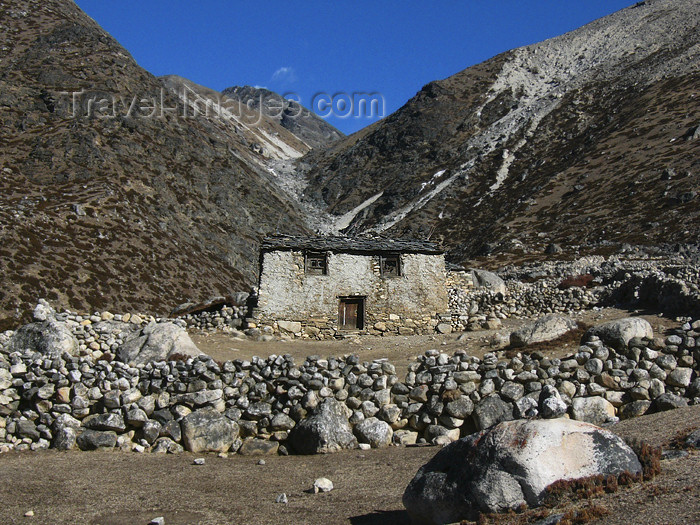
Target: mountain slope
(583, 140)
(104, 204)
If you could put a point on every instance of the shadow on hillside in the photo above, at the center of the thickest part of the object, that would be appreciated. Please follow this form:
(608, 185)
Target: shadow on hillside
(382, 517)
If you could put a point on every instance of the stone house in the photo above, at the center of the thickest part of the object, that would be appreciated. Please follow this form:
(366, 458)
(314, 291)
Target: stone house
(326, 286)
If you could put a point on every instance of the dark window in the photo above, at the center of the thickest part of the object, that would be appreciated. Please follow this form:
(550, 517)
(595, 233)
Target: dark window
(316, 263)
(390, 265)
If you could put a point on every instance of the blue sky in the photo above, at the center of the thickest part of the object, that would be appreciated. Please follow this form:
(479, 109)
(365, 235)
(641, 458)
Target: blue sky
(311, 48)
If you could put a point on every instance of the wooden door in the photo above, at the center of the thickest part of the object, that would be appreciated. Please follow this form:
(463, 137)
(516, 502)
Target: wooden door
(350, 313)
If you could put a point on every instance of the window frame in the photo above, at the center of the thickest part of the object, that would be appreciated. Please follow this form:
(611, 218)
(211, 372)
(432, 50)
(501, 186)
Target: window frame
(382, 265)
(310, 255)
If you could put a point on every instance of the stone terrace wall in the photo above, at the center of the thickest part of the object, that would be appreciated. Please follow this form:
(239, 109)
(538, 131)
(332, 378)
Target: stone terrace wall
(64, 400)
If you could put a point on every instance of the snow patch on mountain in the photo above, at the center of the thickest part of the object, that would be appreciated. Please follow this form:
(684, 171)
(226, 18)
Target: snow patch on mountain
(542, 74)
(345, 219)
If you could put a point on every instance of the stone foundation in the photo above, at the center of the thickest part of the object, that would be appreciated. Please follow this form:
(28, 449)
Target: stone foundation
(325, 328)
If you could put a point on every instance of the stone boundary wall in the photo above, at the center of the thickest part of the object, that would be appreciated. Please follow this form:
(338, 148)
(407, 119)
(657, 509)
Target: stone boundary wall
(251, 407)
(461, 279)
(673, 289)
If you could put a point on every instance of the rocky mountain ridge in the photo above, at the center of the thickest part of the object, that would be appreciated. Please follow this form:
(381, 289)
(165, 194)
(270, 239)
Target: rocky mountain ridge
(582, 140)
(137, 191)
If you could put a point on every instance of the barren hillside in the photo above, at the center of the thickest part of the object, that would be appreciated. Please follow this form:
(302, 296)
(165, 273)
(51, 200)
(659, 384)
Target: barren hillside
(587, 139)
(108, 200)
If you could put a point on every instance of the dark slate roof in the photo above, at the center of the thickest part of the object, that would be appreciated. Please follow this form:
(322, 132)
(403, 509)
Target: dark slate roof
(348, 244)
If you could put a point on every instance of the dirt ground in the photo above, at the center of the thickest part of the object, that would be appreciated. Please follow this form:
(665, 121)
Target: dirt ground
(114, 487)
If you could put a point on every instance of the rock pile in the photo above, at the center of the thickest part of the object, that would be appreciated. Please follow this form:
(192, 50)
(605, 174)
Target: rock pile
(224, 318)
(668, 284)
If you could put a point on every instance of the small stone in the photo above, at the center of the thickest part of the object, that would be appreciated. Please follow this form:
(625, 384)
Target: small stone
(160, 520)
(674, 454)
(693, 439)
(322, 485)
(261, 462)
(198, 461)
(281, 498)
(444, 328)
(29, 514)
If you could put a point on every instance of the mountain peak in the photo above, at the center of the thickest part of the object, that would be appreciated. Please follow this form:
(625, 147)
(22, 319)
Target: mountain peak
(291, 115)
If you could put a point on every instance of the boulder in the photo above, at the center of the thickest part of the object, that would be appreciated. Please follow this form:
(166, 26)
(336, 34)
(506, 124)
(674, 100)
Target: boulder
(444, 328)
(550, 403)
(206, 430)
(667, 401)
(490, 411)
(94, 439)
(106, 421)
(282, 421)
(509, 465)
(461, 408)
(375, 432)
(151, 429)
(326, 430)
(27, 429)
(488, 280)
(289, 327)
(634, 409)
(259, 447)
(405, 437)
(619, 333)
(595, 410)
(547, 328)
(49, 337)
(680, 377)
(64, 438)
(526, 407)
(157, 342)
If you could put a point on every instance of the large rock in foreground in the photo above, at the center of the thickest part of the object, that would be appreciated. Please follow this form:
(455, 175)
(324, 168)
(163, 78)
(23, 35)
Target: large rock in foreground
(50, 337)
(157, 342)
(511, 464)
(327, 430)
(619, 333)
(547, 328)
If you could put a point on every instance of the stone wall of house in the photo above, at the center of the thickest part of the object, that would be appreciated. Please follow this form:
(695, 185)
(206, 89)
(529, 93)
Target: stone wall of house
(293, 302)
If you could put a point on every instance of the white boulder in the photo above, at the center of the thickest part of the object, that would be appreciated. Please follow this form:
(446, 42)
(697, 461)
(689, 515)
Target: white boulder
(510, 464)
